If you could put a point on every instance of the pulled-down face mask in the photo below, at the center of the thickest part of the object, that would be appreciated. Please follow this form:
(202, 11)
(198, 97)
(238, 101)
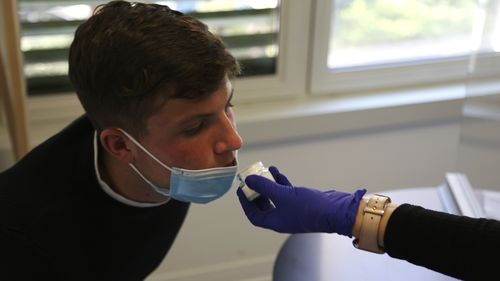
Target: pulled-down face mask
(196, 186)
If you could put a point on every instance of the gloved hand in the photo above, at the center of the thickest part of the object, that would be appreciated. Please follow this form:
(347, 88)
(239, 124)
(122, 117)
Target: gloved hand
(299, 209)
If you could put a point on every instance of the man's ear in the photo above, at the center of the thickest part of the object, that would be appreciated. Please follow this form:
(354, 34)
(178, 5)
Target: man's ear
(117, 144)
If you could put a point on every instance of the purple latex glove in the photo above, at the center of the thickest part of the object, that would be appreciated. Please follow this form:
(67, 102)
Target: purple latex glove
(299, 209)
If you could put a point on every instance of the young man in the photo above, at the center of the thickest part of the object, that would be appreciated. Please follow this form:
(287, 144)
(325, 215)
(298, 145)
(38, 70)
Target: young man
(105, 198)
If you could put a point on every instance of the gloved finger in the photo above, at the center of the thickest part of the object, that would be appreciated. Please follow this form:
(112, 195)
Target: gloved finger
(279, 177)
(263, 203)
(248, 207)
(254, 215)
(264, 186)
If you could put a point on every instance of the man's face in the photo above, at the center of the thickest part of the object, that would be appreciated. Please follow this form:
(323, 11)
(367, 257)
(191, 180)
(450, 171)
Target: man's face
(190, 134)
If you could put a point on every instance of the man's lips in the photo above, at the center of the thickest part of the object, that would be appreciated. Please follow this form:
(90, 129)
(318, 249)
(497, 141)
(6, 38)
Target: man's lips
(232, 163)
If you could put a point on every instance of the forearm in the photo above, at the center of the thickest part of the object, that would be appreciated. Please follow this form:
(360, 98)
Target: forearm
(458, 246)
(454, 245)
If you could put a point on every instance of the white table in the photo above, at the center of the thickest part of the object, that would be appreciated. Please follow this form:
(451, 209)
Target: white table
(321, 257)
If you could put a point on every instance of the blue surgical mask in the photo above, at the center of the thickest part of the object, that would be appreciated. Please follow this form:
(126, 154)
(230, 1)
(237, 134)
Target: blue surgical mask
(196, 186)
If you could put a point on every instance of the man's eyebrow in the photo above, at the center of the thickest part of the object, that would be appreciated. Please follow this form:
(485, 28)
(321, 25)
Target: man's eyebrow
(205, 115)
(196, 117)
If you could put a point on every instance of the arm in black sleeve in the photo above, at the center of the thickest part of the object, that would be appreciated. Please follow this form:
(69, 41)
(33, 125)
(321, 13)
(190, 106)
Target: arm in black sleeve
(457, 246)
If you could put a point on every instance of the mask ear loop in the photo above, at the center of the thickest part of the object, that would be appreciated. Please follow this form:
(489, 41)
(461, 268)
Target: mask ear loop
(162, 191)
(147, 152)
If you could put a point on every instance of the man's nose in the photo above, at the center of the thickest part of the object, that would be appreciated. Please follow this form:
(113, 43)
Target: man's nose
(229, 140)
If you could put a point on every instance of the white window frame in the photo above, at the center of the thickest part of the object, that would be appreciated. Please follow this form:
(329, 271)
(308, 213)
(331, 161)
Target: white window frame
(291, 71)
(288, 81)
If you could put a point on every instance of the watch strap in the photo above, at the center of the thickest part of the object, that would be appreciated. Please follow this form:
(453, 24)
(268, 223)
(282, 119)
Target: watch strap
(372, 215)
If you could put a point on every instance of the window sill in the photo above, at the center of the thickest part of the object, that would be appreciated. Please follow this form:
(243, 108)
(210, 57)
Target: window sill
(309, 117)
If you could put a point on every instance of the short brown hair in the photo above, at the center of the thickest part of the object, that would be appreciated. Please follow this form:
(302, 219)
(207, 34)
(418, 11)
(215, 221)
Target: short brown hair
(127, 55)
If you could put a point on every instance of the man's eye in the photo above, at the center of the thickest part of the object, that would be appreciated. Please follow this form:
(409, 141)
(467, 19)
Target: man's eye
(195, 129)
(229, 106)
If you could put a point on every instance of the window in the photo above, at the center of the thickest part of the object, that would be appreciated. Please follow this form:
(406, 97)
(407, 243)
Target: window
(380, 44)
(304, 49)
(380, 32)
(250, 29)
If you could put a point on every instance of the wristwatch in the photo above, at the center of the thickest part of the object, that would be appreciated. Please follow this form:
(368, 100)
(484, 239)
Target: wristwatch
(372, 215)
